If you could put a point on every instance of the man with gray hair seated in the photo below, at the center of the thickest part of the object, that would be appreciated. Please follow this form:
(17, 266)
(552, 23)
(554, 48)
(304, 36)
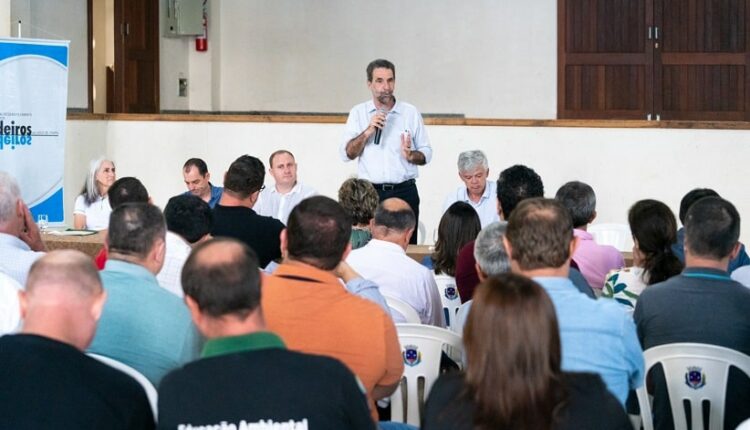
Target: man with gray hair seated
(20, 241)
(477, 190)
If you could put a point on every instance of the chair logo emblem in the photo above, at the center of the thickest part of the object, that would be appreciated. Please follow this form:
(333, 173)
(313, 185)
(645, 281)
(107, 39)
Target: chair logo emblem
(450, 292)
(411, 355)
(695, 378)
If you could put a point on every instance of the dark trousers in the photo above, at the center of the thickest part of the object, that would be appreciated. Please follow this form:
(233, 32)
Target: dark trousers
(406, 191)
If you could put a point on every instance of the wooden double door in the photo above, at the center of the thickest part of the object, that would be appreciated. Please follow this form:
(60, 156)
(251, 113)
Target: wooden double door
(640, 59)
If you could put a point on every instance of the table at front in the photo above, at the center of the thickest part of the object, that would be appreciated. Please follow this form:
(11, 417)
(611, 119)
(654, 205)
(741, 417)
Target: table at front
(89, 245)
(418, 252)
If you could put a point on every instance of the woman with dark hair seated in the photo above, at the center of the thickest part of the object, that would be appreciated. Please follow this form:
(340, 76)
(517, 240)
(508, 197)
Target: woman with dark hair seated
(459, 225)
(654, 230)
(513, 378)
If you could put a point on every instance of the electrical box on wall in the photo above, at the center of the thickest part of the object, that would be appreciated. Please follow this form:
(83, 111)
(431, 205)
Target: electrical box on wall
(183, 18)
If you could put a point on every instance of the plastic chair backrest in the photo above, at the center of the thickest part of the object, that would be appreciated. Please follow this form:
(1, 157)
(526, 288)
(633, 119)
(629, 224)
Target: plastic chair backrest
(403, 309)
(421, 350)
(613, 234)
(744, 425)
(449, 297)
(694, 372)
(148, 387)
(461, 315)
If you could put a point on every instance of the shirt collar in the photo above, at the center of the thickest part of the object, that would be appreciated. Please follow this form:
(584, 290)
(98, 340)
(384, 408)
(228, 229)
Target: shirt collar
(556, 284)
(707, 272)
(582, 234)
(132, 269)
(385, 246)
(246, 342)
(485, 193)
(295, 189)
(7, 239)
(303, 270)
(370, 107)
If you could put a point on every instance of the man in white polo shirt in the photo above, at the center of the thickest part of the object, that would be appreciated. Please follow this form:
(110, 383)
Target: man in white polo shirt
(279, 200)
(477, 191)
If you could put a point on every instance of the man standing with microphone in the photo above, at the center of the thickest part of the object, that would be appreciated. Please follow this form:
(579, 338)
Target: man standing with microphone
(389, 138)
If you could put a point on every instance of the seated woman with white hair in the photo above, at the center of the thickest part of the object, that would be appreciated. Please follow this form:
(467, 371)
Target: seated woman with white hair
(91, 210)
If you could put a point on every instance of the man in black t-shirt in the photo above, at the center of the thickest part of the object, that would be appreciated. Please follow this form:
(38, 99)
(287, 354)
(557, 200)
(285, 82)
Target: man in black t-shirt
(45, 379)
(234, 215)
(246, 375)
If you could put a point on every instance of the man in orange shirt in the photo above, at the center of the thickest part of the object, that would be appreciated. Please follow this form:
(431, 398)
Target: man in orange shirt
(309, 307)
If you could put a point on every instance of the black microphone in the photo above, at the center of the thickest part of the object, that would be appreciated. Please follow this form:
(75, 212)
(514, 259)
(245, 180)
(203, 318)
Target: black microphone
(378, 130)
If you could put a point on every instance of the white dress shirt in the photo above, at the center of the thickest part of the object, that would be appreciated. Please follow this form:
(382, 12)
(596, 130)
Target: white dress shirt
(274, 204)
(383, 163)
(170, 276)
(399, 276)
(486, 207)
(16, 257)
(10, 311)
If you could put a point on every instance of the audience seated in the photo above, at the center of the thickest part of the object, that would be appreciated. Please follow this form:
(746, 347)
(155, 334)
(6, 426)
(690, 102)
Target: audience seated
(279, 200)
(477, 191)
(246, 374)
(123, 190)
(10, 310)
(701, 305)
(198, 180)
(593, 260)
(91, 209)
(143, 325)
(189, 221)
(459, 225)
(305, 303)
(654, 229)
(47, 382)
(359, 199)
(522, 386)
(20, 240)
(740, 260)
(234, 215)
(384, 261)
(597, 336)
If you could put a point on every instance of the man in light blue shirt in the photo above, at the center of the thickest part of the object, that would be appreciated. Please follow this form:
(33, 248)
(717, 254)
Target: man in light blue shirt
(142, 325)
(596, 336)
(477, 191)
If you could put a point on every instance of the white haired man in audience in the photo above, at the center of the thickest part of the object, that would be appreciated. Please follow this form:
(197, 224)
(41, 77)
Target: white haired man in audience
(593, 260)
(143, 325)
(384, 261)
(232, 381)
(47, 382)
(279, 200)
(596, 336)
(477, 191)
(701, 305)
(306, 304)
(20, 240)
(189, 222)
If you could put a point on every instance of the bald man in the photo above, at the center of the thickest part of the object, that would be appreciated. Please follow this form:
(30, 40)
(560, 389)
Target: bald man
(46, 379)
(384, 261)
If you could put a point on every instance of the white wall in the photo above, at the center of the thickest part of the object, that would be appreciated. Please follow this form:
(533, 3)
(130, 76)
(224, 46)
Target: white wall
(481, 58)
(623, 165)
(59, 20)
(4, 18)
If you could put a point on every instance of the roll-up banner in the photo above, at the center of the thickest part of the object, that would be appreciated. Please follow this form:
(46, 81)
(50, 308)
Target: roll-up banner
(33, 103)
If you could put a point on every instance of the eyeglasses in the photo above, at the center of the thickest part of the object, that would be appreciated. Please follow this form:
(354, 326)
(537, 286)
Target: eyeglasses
(262, 187)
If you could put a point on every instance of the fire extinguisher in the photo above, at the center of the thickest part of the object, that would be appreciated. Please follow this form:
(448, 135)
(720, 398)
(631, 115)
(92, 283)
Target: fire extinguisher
(201, 42)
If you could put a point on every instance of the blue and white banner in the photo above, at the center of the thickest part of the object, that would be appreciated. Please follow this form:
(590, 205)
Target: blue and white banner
(33, 104)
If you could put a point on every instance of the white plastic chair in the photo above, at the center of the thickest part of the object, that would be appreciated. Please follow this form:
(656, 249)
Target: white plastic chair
(613, 234)
(148, 387)
(449, 297)
(421, 348)
(407, 312)
(744, 425)
(461, 316)
(694, 372)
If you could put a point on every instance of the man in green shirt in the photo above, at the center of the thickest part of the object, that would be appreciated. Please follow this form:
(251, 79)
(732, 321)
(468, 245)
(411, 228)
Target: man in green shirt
(246, 376)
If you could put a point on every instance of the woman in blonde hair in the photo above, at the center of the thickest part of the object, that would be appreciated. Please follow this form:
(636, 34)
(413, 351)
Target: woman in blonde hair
(91, 210)
(513, 378)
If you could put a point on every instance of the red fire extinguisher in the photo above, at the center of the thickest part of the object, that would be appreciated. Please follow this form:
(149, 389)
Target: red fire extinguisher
(201, 42)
